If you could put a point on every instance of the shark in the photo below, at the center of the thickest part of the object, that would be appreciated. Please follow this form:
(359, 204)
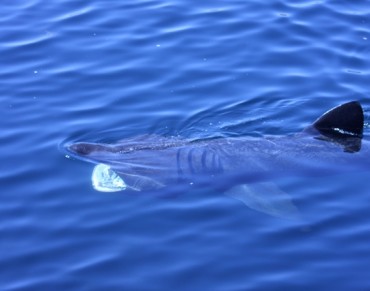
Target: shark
(245, 168)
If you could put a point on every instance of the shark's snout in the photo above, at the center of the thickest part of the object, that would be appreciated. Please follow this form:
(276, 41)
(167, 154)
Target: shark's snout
(83, 149)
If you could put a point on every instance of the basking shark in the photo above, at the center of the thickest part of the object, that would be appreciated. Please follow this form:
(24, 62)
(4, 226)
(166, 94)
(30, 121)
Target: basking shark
(243, 167)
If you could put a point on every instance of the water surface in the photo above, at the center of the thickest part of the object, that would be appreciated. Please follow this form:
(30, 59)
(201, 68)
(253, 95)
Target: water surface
(112, 69)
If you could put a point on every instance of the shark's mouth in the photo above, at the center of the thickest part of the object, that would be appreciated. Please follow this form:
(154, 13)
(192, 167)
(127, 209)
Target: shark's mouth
(104, 179)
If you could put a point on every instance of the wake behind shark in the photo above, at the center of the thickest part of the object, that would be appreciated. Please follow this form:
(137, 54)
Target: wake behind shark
(243, 167)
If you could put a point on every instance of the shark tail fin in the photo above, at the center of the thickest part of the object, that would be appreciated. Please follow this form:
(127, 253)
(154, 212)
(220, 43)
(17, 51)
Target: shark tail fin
(344, 120)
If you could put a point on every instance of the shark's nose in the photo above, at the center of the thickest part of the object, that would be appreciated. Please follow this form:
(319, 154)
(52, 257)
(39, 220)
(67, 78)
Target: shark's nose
(80, 148)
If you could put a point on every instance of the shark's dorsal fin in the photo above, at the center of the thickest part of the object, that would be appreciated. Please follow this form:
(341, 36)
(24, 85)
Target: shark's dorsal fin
(344, 120)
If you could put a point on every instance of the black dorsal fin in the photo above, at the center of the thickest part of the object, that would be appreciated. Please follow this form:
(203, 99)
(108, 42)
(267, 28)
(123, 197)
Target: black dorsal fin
(344, 120)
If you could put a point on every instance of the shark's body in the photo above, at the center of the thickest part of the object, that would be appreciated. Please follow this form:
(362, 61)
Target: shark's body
(241, 166)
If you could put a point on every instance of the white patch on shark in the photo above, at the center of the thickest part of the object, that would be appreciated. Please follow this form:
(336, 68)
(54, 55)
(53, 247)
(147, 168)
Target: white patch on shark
(104, 179)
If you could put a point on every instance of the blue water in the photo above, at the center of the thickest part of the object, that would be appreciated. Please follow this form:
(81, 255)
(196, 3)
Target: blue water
(113, 69)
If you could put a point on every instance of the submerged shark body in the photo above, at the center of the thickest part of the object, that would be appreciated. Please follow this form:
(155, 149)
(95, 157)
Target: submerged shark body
(242, 167)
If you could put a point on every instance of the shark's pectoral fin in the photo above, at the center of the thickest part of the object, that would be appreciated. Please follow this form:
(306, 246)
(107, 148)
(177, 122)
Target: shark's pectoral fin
(265, 197)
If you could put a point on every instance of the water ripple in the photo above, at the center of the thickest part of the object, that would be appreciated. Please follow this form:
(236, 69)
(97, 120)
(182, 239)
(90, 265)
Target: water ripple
(105, 70)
